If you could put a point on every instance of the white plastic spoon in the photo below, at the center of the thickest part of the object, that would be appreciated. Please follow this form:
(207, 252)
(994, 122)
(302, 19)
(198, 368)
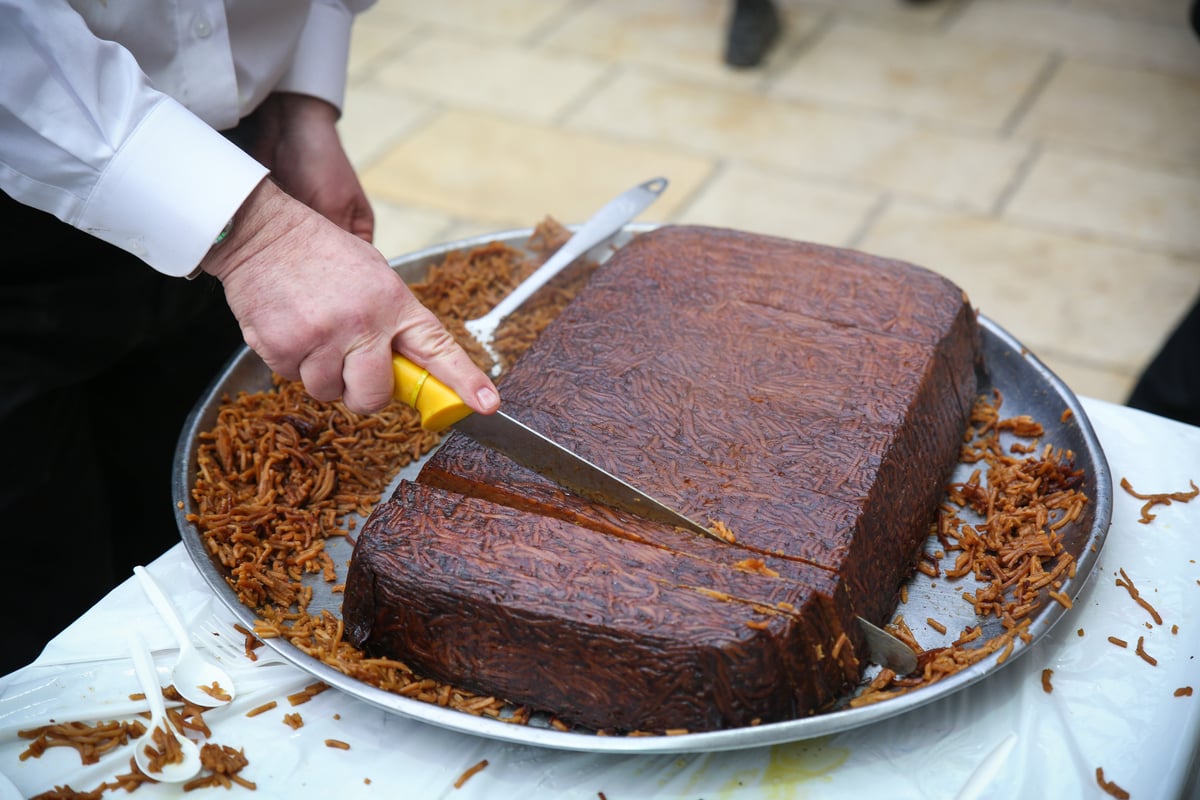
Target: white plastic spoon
(192, 669)
(182, 770)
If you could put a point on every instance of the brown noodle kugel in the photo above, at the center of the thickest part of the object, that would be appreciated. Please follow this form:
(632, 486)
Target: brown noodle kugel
(812, 399)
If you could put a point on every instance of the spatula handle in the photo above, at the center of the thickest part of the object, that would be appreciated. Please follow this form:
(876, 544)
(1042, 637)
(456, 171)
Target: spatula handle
(604, 224)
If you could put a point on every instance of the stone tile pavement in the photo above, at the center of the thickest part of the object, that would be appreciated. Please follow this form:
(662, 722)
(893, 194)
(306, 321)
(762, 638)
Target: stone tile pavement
(1044, 154)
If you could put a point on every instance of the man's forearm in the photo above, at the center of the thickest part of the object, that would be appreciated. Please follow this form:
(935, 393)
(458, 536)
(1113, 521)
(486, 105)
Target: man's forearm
(104, 151)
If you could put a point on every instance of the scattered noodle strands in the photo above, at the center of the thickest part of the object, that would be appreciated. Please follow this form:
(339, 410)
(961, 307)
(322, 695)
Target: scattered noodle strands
(307, 693)
(722, 530)
(899, 628)
(337, 744)
(968, 635)
(93, 741)
(1046, 686)
(165, 750)
(1060, 598)
(90, 741)
(1140, 650)
(1183, 691)
(1110, 787)
(188, 718)
(1008, 648)
(127, 781)
(215, 692)
(466, 776)
(264, 708)
(224, 763)
(1159, 499)
(1127, 583)
(1118, 642)
(756, 565)
(279, 474)
(252, 641)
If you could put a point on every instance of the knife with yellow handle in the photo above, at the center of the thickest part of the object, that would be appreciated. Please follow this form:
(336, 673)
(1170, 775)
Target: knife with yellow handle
(441, 408)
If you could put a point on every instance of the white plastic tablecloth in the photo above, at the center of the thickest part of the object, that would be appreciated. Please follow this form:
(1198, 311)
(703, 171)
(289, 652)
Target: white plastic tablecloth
(1004, 737)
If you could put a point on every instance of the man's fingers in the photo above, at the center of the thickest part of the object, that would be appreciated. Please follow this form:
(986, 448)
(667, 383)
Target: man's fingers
(434, 348)
(321, 374)
(312, 298)
(367, 372)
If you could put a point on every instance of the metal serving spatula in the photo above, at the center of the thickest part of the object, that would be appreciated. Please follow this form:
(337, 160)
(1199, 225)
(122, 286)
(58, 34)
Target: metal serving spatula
(888, 651)
(604, 223)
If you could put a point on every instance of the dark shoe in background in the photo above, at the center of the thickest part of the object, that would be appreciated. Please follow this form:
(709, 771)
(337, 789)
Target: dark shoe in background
(753, 30)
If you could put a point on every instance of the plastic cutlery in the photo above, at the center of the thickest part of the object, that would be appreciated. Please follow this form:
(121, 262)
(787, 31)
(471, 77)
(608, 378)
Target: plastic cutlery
(192, 669)
(229, 647)
(189, 764)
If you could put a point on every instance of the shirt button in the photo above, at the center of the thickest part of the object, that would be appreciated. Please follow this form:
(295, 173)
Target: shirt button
(201, 28)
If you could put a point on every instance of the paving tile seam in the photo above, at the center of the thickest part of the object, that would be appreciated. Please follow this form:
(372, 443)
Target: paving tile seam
(1144, 245)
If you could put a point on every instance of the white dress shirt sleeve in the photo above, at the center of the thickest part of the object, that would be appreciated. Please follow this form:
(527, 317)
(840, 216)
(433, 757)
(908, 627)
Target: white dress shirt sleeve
(323, 53)
(84, 136)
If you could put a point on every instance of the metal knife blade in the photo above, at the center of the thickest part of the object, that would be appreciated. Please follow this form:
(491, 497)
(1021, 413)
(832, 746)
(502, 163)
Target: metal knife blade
(440, 407)
(546, 457)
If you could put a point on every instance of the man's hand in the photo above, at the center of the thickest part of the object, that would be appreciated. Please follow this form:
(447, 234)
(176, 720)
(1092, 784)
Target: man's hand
(322, 305)
(297, 140)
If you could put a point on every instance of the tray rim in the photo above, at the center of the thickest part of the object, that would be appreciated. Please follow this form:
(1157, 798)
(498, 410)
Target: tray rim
(709, 741)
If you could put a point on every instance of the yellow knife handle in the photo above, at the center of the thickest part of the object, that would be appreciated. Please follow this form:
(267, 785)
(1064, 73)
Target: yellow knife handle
(437, 403)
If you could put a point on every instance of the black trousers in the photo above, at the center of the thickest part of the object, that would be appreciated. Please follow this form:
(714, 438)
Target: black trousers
(1170, 385)
(101, 359)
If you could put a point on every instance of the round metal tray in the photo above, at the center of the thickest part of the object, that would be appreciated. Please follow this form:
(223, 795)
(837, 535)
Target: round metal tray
(1028, 387)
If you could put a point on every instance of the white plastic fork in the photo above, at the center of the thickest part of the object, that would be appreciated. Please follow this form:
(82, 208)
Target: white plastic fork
(229, 647)
(604, 224)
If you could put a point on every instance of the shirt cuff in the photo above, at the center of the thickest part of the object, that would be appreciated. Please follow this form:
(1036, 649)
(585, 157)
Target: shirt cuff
(322, 56)
(170, 190)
